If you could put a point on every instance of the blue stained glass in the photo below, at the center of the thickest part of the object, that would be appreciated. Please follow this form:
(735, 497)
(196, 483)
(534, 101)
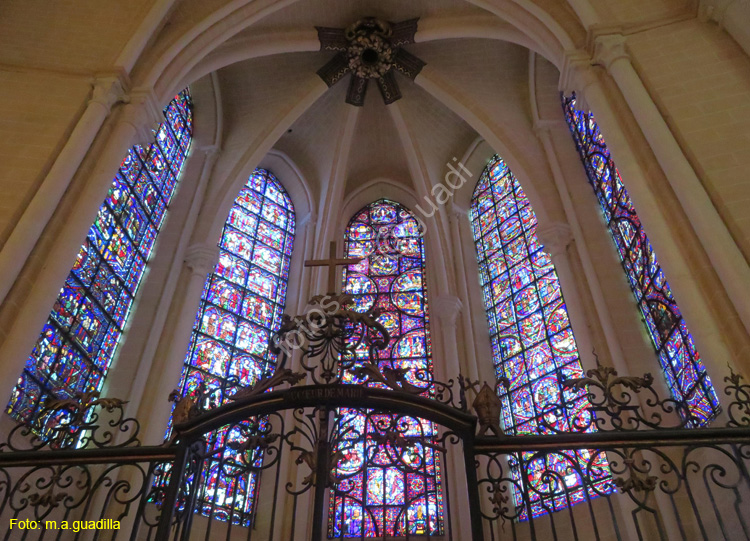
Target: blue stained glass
(682, 366)
(383, 490)
(532, 342)
(76, 346)
(241, 306)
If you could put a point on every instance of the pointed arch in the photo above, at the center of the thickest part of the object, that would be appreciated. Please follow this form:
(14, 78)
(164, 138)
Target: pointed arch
(533, 346)
(380, 492)
(78, 342)
(241, 307)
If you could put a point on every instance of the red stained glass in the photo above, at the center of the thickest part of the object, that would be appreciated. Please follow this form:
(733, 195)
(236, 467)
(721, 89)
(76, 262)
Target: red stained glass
(224, 294)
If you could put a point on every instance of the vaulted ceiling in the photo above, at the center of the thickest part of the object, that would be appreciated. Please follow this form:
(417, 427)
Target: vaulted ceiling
(332, 141)
(492, 71)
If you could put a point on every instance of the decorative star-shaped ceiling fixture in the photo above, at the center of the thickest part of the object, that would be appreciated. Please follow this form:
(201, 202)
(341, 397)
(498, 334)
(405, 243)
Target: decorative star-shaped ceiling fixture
(369, 49)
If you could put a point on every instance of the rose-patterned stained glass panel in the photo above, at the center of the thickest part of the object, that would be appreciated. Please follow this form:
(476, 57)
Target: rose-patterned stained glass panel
(241, 306)
(79, 339)
(386, 490)
(532, 344)
(681, 364)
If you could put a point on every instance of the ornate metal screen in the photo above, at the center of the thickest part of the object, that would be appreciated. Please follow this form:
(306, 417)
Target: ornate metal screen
(673, 482)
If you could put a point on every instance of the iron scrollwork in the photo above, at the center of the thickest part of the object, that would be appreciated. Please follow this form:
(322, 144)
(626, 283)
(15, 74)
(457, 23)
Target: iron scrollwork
(739, 408)
(328, 336)
(86, 420)
(518, 478)
(620, 403)
(664, 469)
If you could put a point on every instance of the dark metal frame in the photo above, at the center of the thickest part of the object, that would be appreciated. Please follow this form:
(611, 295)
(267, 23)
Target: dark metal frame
(92, 466)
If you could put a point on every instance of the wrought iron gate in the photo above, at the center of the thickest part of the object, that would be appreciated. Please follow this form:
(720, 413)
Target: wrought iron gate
(631, 470)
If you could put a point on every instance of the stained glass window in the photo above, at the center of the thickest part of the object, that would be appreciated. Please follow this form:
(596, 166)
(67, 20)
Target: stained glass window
(532, 342)
(385, 489)
(241, 306)
(78, 341)
(678, 356)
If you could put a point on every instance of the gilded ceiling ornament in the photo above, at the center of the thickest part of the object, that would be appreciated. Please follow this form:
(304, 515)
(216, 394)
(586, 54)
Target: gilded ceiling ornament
(369, 49)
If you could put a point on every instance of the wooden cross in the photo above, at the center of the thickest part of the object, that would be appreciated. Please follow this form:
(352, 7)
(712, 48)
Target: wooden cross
(331, 263)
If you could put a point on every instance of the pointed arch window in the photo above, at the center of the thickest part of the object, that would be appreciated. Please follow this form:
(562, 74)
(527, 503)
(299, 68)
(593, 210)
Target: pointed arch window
(680, 362)
(241, 306)
(385, 491)
(79, 339)
(532, 345)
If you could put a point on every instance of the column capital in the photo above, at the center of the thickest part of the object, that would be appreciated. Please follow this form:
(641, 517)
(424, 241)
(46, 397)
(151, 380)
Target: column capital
(577, 75)
(109, 89)
(211, 154)
(143, 113)
(457, 213)
(707, 11)
(542, 126)
(555, 237)
(608, 49)
(211, 151)
(447, 308)
(201, 258)
(308, 220)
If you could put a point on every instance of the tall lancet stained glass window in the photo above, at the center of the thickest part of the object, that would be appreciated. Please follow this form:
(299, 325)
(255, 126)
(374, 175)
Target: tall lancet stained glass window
(678, 356)
(532, 344)
(383, 489)
(241, 306)
(78, 341)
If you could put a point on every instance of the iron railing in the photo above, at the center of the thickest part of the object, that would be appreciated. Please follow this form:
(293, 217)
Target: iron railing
(281, 453)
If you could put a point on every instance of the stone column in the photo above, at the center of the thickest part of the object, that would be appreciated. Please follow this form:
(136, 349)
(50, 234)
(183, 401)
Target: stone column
(726, 258)
(729, 15)
(447, 309)
(610, 336)
(154, 412)
(134, 125)
(298, 300)
(468, 365)
(107, 91)
(305, 275)
(459, 220)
